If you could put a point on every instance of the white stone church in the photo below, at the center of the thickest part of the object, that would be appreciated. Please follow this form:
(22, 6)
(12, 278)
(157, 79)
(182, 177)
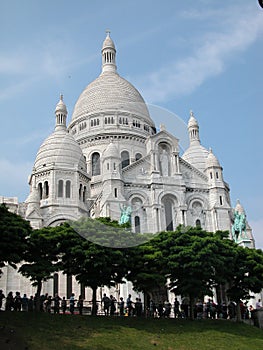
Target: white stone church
(111, 155)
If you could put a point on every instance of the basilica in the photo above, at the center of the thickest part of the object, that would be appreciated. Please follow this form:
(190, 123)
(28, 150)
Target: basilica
(109, 155)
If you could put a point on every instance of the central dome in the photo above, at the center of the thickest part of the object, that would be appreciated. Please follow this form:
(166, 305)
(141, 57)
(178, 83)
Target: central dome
(110, 93)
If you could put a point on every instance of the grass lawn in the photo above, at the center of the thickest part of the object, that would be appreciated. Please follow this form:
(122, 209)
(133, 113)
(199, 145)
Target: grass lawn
(35, 331)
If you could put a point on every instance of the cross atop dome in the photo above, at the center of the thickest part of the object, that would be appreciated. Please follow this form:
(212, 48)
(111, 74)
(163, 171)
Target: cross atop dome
(108, 54)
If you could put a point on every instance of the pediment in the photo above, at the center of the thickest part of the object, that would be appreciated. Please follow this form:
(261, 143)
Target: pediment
(139, 169)
(34, 215)
(191, 174)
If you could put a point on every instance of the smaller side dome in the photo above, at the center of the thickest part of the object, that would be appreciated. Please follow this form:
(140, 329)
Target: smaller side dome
(60, 148)
(211, 160)
(111, 151)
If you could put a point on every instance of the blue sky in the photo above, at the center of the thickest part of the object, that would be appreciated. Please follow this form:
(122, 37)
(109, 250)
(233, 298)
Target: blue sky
(204, 55)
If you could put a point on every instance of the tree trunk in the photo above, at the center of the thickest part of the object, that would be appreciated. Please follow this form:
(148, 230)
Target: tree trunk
(94, 301)
(191, 302)
(39, 287)
(238, 311)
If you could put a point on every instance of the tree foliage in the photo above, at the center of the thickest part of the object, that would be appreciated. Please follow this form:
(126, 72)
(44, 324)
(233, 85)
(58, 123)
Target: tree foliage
(92, 264)
(246, 274)
(195, 260)
(42, 255)
(147, 269)
(14, 230)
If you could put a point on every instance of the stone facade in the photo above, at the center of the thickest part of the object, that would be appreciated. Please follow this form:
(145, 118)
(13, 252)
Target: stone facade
(111, 154)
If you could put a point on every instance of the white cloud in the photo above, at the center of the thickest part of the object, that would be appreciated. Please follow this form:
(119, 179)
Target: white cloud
(236, 34)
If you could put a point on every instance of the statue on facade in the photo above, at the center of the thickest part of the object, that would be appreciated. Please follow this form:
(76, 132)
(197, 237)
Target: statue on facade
(239, 225)
(164, 160)
(125, 214)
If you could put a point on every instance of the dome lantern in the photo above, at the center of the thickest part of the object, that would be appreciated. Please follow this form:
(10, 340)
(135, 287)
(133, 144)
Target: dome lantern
(108, 55)
(61, 114)
(193, 129)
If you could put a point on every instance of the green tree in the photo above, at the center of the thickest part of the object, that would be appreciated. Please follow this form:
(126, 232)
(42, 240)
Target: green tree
(42, 256)
(92, 264)
(245, 275)
(193, 257)
(147, 269)
(14, 230)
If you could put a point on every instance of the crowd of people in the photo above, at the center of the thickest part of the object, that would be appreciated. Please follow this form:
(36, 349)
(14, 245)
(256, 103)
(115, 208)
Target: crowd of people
(109, 306)
(46, 302)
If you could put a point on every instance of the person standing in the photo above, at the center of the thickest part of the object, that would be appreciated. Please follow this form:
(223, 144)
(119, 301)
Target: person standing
(80, 304)
(112, 305)
(17, 302)
(64, 305)
(24, 303)
(2, 296)
(129, 305)
(72, 303)
(9, 303)
(106, 304)
(56, 303)
(121, 306)
(176, 308)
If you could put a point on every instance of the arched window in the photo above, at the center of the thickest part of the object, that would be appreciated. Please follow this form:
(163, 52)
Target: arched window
(95, 163)
(46, 189)
(198, 223)
(115, 192)
(60, 188)
(68, 185)
(125, 159)
(137, 224)
(138, 156)
(40, 190)
(80, 191)
(84, 194)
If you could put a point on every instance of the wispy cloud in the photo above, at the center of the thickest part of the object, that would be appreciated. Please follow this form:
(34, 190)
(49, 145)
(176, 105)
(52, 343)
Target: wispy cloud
(237, 32)
(11, 64)
(17, 87)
